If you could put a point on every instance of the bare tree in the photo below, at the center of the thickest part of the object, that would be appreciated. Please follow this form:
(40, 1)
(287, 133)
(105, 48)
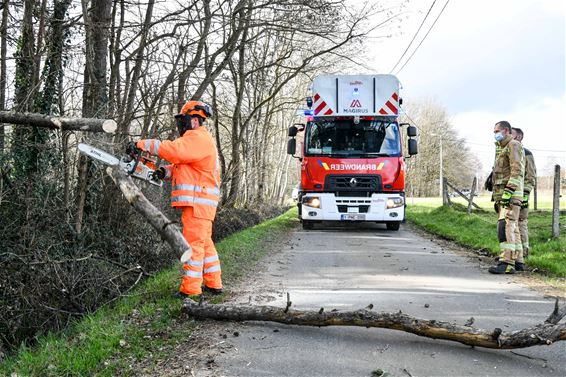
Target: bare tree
(459, 165)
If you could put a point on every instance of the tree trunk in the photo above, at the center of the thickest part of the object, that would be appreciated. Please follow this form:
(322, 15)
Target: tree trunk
(3, 53)
(53, 70)
(543, 334)
(95, 93)
(167, 229)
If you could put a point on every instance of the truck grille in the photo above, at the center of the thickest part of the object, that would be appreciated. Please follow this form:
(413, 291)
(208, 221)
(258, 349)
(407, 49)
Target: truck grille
(361, 204)
(361, 209)
(352, 183)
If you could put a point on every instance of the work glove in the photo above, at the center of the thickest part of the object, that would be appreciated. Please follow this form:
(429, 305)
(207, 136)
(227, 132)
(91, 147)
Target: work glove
(506, 197)
(159, 173)
(496, 207)
(488, 185)
(525, 202)
(132, 149)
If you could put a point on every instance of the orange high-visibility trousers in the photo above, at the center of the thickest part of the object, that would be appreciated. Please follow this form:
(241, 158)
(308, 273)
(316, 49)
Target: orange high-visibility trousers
(204, 262)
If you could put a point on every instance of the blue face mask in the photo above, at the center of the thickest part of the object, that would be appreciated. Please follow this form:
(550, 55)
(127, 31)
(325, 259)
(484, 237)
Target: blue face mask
(499, 136)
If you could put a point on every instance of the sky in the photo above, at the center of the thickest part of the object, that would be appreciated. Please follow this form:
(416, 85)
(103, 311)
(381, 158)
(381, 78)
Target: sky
(486, 61)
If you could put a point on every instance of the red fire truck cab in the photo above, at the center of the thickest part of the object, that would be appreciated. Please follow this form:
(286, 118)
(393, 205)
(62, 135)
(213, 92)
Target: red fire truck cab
(352, 162)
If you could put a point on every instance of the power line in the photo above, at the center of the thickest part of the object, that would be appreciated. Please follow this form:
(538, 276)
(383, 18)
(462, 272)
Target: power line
(427, 33)
(415, 36)
(463, 140)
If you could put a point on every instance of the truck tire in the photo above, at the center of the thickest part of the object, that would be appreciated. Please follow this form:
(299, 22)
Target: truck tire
(307, 224)
(393, 225)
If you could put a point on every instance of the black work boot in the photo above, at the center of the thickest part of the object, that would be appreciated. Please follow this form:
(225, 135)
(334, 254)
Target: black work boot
(212, 291)
(183, 296)
(502, 268)
(519, 266)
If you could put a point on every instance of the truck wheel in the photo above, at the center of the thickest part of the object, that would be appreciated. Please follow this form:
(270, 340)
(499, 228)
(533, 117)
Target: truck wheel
(307, 224)
(393, 225)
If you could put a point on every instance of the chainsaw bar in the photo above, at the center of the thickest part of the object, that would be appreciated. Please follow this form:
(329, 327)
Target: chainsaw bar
(135, 168)
(98, 155)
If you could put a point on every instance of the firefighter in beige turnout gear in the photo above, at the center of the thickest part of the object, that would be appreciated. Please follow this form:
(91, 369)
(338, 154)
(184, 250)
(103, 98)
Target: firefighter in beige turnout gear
(528, 187)
(508, 175)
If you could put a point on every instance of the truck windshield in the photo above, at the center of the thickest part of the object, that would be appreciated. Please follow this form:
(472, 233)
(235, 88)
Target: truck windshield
(343, 138)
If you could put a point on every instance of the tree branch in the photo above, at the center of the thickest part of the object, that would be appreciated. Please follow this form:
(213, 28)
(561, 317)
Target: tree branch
(58, 123)
(542, 334)
(168, 230)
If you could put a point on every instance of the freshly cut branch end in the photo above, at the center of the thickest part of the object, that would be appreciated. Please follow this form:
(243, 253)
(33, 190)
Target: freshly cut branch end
(109, 126)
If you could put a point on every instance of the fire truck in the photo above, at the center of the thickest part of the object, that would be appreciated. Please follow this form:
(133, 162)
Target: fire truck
(352, 160)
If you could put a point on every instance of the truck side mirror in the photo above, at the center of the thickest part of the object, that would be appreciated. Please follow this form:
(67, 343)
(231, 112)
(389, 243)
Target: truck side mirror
(293, 131)
(411, 131)
(413, 148)
(291, 146)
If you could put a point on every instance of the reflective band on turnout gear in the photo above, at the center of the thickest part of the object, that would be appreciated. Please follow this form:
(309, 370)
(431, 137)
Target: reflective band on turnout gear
(187, 187)
(211, 259)
(192, 199)
(212, 269)
(193, 274)
(155, 150)
(197, 263)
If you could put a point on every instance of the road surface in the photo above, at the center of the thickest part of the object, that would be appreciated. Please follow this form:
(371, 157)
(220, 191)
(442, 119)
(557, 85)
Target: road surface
(349, 268)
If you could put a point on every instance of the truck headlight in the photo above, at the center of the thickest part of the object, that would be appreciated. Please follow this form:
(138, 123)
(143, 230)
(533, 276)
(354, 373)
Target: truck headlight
(312, 201)
(395, 202)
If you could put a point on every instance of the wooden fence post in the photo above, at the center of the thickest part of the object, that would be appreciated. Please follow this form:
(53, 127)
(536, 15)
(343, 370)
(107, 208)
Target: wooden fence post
(445, 196)
(536, 194)
(472, 193)
(556, 203)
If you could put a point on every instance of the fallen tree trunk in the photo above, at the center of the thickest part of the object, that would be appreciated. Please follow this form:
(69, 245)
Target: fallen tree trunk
(546, 333)
(168, 230)
(60, 123)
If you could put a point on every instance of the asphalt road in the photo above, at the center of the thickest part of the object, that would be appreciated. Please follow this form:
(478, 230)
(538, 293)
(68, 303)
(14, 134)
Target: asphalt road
(349, 268)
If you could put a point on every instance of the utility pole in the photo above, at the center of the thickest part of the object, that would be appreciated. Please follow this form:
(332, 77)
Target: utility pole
(440, 180)
(556, 203)
(441, 177)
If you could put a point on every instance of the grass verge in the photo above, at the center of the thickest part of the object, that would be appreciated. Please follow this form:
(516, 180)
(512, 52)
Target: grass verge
(479, 231)
(139, 326)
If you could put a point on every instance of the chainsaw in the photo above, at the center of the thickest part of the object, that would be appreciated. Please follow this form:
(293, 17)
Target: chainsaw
(136, 163)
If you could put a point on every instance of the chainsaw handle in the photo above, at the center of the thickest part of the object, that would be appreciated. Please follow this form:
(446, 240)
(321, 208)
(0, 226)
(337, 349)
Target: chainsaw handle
(134, 153)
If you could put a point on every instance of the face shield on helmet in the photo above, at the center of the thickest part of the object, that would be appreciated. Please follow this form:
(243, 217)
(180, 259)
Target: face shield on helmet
(192, 109)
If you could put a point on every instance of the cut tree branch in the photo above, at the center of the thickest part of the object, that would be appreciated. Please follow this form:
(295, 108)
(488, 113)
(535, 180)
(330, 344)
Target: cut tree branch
(168, 230)
(59, 123)
(542, 334)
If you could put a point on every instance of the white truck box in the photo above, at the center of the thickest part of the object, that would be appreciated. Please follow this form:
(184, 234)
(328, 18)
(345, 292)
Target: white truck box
(356, 95)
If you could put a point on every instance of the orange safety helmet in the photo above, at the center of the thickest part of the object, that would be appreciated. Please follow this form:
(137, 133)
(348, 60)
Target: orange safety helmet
(197, 108)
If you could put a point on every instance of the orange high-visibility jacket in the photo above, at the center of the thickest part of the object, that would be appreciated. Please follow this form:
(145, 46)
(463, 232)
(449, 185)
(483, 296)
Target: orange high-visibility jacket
(195, 171)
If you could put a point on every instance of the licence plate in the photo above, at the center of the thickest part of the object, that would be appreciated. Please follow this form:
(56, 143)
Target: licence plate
(353, 216)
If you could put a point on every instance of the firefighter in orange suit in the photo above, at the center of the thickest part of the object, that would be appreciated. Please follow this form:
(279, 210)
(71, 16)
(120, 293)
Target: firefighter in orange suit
(194, 172)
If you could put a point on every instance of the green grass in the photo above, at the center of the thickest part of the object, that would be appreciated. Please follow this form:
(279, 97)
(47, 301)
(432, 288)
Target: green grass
(544, 201)
(479, 231)
(105, 343)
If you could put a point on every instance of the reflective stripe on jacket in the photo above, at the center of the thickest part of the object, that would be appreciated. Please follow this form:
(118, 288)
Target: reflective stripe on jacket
(195, 170)
(509, 169)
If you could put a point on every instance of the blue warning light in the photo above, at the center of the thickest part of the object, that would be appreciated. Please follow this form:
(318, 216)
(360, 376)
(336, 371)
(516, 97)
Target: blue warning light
(309, 112)
(356, 91)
